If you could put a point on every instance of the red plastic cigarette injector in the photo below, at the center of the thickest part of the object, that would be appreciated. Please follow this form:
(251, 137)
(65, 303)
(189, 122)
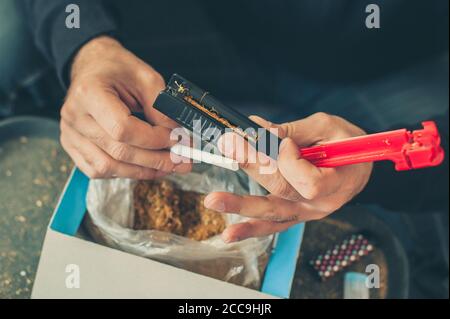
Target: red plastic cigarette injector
(407, 149)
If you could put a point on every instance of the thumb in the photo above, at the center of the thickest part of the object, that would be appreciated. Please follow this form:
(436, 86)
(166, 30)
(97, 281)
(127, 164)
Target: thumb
(149, 84)
(259, 120)
(304, 132)
(299, 173)
(273, 128)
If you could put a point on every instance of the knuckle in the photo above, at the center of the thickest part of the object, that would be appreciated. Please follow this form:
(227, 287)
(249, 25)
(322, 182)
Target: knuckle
(151, 78)
(140, 174)
(158, 80)
(323, 118)
(119, 131)
(120, 152)
(288, 130)
(99, 139)
(143, 174)
(91, 173)
(101, 168)
(283, 189)
(281, 214)
(320, 116)
(161, 165)
(80, 89)
(273, 217)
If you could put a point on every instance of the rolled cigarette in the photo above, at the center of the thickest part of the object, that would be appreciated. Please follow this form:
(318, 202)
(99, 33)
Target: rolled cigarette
(205, 157)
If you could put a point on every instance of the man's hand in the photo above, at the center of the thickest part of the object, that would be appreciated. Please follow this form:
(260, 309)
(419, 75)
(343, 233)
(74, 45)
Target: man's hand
(299, 191)
(97, 128)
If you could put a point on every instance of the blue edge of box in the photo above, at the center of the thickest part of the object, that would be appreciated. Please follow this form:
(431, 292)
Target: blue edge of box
(280, 269)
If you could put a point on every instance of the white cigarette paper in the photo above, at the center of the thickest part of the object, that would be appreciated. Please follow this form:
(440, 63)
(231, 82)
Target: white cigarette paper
(205, 157)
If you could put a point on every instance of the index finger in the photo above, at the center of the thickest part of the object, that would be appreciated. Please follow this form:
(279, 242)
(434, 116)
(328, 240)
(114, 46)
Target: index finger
(116, 119)
(257, 165)
(310, 181)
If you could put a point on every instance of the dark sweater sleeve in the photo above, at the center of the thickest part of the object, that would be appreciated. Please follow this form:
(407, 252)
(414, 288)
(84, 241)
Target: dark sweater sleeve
(422, 190)
(58, 43)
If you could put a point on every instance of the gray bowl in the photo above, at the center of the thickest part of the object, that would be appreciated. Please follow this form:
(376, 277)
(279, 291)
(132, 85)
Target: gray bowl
(28, 126)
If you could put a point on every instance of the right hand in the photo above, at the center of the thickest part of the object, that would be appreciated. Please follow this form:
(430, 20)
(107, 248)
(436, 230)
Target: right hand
(299, 191)
(97, 129)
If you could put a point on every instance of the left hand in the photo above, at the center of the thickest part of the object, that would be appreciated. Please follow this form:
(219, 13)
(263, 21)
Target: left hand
(299, 191)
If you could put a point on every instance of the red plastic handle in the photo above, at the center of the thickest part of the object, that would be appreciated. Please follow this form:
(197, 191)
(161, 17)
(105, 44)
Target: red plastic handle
(408, 150)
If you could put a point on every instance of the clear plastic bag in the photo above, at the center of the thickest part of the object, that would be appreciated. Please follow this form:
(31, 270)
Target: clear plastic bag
(110, 220)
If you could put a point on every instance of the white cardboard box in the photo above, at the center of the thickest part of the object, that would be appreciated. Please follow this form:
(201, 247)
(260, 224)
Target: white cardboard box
(73, 267)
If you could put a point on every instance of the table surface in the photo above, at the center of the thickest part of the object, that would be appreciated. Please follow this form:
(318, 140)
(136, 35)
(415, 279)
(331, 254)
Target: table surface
(33, 171)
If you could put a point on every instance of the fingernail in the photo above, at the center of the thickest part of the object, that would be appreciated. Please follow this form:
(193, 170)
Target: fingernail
(184, 138)
(255, 118)
(229, 239)
(181, 168)
(176, 159)
(261, 121)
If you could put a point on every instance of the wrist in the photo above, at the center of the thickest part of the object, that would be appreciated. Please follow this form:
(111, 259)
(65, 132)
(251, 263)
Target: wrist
(92, 50)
